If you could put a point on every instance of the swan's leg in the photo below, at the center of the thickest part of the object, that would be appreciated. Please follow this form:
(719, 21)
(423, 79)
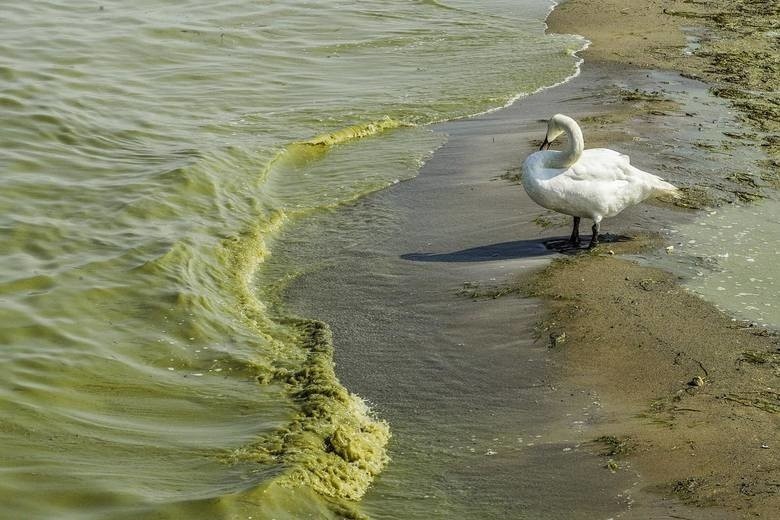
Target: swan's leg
(575, 233)
(594, 240)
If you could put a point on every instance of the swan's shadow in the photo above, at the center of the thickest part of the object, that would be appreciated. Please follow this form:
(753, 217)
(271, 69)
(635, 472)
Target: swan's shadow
(511, 250)
(493, 252)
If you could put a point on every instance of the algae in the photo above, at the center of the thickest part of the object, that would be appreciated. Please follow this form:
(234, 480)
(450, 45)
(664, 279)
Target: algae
(616, 446)
(333, 445)
(513, 175)
(476, 291)
(765, 400)
(761, 358)
(551, 220)
(686, 489)
(743, 63)
(695, 197)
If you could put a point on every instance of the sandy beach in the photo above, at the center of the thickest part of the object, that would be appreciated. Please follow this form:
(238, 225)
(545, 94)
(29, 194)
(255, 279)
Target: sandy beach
(525, 384)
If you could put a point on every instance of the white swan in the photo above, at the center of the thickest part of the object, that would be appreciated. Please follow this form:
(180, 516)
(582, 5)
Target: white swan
(595, 183)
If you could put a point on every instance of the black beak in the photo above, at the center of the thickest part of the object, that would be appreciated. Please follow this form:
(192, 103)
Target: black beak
(545, 145)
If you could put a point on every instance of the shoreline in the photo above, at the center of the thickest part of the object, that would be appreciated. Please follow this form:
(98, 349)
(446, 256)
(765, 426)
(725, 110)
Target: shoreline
(422, 333)
(488, 419)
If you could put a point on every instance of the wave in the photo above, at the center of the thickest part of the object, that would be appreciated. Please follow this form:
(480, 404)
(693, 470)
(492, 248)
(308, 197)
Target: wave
(353, 132)
(298, 154)
(333, 445)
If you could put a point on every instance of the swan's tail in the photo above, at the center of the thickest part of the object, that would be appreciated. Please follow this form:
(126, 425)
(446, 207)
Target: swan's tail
(663, 189)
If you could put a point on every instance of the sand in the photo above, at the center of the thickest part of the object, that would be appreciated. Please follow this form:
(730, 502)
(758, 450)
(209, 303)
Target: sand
(694, 395)
(589, 387)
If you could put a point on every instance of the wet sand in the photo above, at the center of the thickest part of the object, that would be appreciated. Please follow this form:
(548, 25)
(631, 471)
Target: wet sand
(609, 391)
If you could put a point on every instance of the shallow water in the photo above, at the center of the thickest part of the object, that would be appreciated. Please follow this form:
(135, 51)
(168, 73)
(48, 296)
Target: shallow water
(727, 251)
(738, 261)
(150, 155)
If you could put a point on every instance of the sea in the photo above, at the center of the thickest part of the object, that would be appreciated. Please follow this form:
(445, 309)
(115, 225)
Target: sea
(151, 155)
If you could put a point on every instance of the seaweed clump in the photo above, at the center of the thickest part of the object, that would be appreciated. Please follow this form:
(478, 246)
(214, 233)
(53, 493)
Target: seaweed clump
(333, 444)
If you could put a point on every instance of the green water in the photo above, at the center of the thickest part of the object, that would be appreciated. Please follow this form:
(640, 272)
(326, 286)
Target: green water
(150, 153)
(737, 264)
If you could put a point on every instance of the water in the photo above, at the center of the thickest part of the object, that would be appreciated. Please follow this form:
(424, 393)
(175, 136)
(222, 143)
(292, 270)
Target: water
(738, 265)
(150, 155)
(728, 253)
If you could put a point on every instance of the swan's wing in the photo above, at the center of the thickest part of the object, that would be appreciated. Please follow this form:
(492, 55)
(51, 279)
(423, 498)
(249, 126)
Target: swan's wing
(610, 182)
(602, 165)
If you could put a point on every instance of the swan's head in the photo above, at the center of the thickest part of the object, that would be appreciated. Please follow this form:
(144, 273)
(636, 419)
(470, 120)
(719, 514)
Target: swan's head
(555, 127)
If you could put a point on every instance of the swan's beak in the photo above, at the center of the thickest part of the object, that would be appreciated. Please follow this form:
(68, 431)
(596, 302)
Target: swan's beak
(546, 144)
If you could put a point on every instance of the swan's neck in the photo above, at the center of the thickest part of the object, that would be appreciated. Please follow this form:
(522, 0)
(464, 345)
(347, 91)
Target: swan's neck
(575, 144)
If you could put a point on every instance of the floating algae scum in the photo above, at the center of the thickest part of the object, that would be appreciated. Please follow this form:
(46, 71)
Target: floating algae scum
(151, 157)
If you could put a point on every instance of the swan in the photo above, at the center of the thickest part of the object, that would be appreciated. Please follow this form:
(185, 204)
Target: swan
(595, 183)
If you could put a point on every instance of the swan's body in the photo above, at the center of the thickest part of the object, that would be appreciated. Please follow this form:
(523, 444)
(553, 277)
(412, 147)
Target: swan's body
(595, 183)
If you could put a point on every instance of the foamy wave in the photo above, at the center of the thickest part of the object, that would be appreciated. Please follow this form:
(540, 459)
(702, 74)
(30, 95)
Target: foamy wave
(334, 445)
(351, 133)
